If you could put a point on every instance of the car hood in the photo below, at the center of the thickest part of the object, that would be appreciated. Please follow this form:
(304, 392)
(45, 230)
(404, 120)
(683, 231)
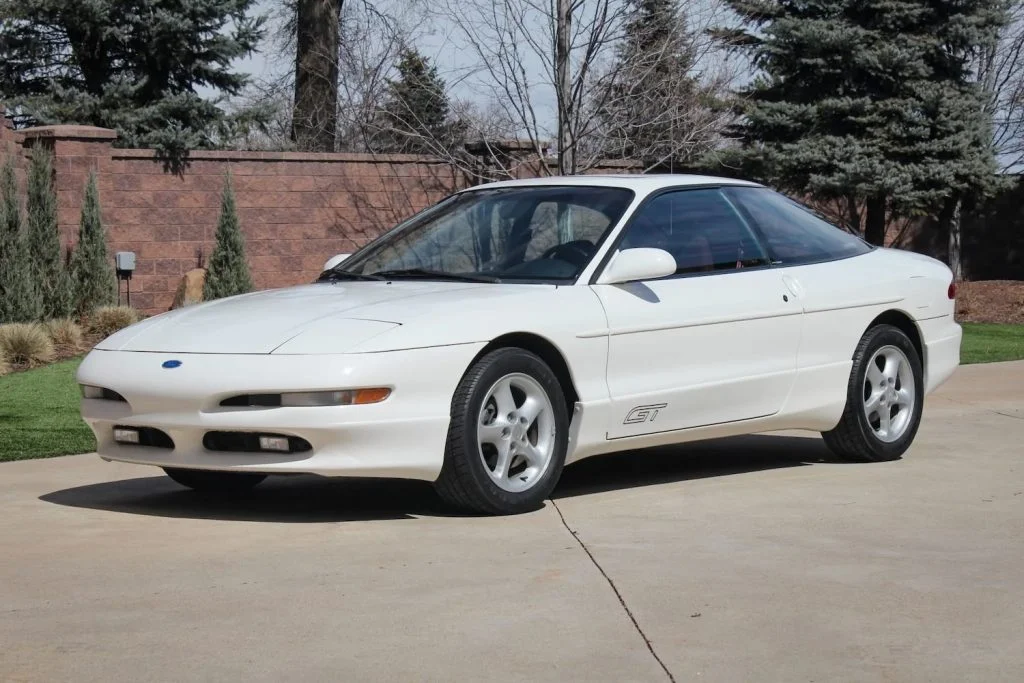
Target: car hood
(317, 318)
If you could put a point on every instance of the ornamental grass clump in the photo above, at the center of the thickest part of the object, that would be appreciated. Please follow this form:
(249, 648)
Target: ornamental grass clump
(106, 320)
(25, 344)
(65, 334)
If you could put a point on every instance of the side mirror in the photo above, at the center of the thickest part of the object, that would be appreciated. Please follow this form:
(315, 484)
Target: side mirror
(642, 263)
(335, 260)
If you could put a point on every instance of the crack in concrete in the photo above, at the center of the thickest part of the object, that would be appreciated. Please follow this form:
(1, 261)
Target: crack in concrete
(615, 589)
(986, 409)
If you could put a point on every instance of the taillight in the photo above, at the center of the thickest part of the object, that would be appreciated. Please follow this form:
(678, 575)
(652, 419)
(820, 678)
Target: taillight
(951, 292)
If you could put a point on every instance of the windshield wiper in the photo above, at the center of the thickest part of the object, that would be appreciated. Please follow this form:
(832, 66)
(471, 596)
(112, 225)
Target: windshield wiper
(436, 274)
(336, 274)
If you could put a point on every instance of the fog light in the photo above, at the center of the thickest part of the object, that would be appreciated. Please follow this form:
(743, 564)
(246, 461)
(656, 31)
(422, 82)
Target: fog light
(126, 436)
(275, 443)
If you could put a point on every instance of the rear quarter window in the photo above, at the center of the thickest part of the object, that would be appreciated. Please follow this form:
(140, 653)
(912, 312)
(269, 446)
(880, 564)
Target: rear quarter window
(792, 233)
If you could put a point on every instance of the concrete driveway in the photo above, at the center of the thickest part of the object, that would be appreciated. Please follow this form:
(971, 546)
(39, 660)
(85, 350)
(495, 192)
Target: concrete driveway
(747, 559)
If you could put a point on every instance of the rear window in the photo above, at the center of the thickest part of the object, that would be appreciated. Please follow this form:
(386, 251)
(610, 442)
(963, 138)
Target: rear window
(792, 233)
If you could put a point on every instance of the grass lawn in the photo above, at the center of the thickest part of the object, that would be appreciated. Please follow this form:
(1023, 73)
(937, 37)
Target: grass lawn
(39, 414)
(988, 343)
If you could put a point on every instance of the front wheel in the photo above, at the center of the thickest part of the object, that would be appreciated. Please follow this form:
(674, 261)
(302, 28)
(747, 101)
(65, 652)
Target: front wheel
(508, 435)
(214, 482)
(884, 398)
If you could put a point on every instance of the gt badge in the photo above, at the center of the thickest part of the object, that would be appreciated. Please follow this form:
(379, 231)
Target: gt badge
(643, 414)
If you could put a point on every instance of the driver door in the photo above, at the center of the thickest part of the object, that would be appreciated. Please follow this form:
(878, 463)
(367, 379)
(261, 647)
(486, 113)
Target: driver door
(716, 342)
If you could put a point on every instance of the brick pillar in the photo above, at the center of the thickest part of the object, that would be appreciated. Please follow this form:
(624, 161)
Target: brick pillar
(77, 151)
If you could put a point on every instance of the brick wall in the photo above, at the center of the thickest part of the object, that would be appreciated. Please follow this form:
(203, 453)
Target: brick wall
(296, 209)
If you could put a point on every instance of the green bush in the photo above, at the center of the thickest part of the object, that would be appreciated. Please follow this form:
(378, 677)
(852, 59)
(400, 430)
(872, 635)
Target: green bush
(25, 344)
(19, 296)
(65, 334)
(95, 283)
(49, 271)
(107, 320)
(228, 271)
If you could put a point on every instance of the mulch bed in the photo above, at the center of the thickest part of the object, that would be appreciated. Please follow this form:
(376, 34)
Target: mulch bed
(990, 301)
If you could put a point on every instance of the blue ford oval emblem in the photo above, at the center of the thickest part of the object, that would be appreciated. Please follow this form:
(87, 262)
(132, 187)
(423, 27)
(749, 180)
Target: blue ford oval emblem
(172, 364)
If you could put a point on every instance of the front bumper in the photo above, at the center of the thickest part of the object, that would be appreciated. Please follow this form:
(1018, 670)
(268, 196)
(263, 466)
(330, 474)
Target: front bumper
(403, 436)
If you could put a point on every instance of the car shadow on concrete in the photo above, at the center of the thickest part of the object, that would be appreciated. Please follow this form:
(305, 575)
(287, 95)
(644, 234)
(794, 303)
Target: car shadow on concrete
(695, 460)
(308, 499)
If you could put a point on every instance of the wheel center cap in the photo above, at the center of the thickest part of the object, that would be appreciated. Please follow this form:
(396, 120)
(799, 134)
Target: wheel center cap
(518, 432)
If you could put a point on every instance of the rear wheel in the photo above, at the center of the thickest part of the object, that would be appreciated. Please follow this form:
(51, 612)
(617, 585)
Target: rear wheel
(215, 482)
(508, 435)
(884, 398)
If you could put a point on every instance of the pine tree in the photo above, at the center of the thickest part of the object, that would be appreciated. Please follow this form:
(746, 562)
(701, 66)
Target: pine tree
(49, 271)
(228, 271)
(880, 114)
(19, 296)
(653, 106)
(92, 270)
(415, 115)
(133, 66)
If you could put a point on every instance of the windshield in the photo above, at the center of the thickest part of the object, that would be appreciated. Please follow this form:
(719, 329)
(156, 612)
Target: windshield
(537, 233)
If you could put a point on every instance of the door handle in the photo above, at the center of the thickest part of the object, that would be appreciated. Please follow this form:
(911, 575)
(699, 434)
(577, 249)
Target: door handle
(793, 285)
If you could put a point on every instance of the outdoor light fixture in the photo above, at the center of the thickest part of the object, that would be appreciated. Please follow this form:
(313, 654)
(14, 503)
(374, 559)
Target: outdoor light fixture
(124, 266)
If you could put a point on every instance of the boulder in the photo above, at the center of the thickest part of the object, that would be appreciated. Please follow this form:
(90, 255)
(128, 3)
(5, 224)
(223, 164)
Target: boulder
(190, 288)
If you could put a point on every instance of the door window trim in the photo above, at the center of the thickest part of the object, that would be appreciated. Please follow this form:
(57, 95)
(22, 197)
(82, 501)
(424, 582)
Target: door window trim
(755, 233)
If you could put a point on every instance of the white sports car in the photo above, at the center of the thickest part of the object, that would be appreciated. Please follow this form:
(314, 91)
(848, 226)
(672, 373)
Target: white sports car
(518, 326)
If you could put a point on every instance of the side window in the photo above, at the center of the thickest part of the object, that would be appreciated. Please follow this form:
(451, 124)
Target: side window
(700, 228)
(791, 232)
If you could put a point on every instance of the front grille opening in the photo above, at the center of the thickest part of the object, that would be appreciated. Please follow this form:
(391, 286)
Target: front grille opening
(111, 395)
(102, 394)
(149, 437)
(253, 400)
(249, 442)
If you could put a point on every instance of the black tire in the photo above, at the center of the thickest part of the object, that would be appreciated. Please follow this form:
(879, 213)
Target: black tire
(464, 482)
(209, 481)
(854, 438)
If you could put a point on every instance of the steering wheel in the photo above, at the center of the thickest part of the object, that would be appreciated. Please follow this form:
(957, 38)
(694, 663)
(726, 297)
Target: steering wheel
(577, 252)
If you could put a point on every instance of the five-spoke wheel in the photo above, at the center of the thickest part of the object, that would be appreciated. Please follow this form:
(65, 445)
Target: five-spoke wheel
(516, 432)
(883, 403)
(508, 435)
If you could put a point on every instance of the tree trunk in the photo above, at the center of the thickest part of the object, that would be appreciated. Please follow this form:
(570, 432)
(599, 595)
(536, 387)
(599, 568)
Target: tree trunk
(853, 212)
(315, 115)
(955, 254)
(563, 90)
(874, 228)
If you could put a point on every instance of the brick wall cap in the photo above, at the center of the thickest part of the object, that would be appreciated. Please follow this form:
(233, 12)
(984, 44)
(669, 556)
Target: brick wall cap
(69, 133)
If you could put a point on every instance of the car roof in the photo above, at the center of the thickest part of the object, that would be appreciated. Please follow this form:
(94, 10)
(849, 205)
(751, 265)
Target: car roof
(640, 183)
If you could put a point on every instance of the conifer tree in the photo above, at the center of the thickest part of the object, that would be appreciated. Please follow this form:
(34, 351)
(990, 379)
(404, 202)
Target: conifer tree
(19, 297)
(655, 110)
(49, 272)
(868, 101)
(93, 272)
(228, 270)
(415, 115)
(139, 67)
